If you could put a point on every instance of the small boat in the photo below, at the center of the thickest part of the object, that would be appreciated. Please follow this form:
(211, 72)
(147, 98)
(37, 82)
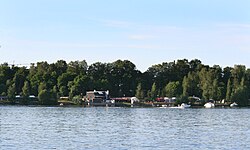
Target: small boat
(209, 105)
(182, 106)
(234, 104)
(164, 106)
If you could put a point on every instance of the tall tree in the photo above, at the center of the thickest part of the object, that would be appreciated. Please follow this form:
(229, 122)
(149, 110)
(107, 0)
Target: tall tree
(19, 78)
(229, 90)
(173, 89)
(153, 92)
(123, 77)
(181, 69)
(139, 91)
(26, 92)
(61, 67)
(77, 67)
(47, 96)
(62, 82)
(191, 85)
(44, 97)
(209, 83)
(12, 93)
(240, 95)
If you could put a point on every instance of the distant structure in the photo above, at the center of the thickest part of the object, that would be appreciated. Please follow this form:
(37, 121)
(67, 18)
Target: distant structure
(98, 98)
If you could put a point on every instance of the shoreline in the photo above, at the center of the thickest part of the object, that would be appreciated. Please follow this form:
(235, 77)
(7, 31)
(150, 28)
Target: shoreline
(121, 105)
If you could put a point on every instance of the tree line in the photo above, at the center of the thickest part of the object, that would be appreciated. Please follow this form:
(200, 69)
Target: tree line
(181, 78)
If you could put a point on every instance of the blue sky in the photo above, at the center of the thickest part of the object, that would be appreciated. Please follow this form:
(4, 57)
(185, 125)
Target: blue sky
(146, 32)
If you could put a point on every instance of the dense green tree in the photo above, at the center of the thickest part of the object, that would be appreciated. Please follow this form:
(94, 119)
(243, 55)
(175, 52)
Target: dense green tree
(209, 83)
(247, 81)
(63, 81)
(5, 74)
(237, 73)
(79, 86)
(42, 86)
(26, 92)
(240, 96)
(226, 74)
(12, 93)
(63, 91)
(139, 91)
(100, 76)
(195, 65)
(47, 96)
(77, 67)
(153, 92)
(61, 67)
(98, 70)
(229, 90)
(3, 89)
(215, 90)
(34, 79)
(181, 69)
(123, 79)
(191, 85)
(44, 97)
(19, 78)
(173, 89)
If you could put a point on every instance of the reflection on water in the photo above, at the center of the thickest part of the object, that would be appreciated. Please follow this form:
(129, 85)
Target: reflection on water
(123, 128)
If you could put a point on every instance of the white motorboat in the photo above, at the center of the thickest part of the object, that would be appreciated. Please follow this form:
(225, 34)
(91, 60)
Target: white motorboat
(184, 105)
(234, 104)
(209, 105)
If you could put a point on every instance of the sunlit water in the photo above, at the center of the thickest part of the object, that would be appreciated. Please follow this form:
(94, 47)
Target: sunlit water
(123, 128)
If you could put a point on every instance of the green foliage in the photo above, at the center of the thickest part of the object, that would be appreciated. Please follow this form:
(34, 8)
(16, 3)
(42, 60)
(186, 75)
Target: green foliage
(191, 84)
(42, 86)
(77, 67)
(26, 89)
(19, 79)
(153, 92)
(123, 78)
(139, 92)
(173, 89)
(2, 89)
(209, 83)
(240, 96)
(229, 90)
(77, 100)
(26, 92)
(11, 93)
(47, 97)
(63, 91)
(44, 97)
(63, 82)
(181, 78)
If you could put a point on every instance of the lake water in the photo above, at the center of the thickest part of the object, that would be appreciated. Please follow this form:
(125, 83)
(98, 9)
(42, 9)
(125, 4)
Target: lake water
(123, 128)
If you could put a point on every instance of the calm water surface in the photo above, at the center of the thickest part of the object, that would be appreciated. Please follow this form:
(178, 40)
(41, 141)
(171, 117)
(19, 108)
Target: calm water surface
(123, 128)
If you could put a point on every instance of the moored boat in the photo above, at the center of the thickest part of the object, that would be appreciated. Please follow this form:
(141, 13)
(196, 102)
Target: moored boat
(182, 106)
(234, 104)
(209, 105)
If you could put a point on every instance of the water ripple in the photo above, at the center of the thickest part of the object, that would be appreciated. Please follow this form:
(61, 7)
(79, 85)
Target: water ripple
(123, 128)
